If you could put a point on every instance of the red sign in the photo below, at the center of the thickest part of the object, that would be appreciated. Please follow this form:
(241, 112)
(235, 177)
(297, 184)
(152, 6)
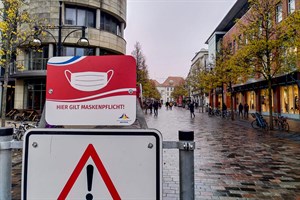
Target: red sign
(91, 90)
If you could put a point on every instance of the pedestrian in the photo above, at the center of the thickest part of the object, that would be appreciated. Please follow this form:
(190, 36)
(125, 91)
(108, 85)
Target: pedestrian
(246, 111)
(170, 105)
(151, 106)
(148, 106)
(241, 110)
(224, 110)
(192, 109)
(155, 107)
(167, 105)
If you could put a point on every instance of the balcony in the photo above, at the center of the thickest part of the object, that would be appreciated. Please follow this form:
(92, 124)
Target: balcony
(28, 68)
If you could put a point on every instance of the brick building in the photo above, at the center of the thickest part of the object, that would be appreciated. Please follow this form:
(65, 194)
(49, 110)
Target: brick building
(285, 87)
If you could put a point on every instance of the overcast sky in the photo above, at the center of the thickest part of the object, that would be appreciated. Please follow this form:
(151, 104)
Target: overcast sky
(172, 31)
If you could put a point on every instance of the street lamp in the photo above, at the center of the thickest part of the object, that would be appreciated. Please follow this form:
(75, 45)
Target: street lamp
(83, 41)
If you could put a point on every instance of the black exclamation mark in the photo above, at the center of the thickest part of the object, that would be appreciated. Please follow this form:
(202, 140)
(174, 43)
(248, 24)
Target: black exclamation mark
(89, 174)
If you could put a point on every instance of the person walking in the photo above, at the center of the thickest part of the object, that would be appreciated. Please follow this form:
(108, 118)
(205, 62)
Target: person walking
(171, 105)
(192, 109)
(167, 105)
(246, 111)
(224, 110)
(241, 110)
(155, 108)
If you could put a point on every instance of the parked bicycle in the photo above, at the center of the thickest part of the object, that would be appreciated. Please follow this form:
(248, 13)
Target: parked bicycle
(214, 112)
(20, 128)
(281, 123)
(259, 122)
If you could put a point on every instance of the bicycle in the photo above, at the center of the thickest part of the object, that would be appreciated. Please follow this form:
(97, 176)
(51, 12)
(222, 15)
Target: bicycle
(20, 128)
(259, 122)
(281, 123)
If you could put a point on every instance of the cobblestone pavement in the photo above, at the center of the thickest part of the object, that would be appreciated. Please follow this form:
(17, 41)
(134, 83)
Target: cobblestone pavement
(232, 160)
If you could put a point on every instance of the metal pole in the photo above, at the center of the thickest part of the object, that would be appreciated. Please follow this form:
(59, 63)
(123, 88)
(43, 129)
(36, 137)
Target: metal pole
(5, 163)
(59, 43)
(186, 165)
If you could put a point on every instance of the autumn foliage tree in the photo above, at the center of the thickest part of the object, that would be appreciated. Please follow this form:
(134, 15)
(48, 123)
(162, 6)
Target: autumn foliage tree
(261, 49)
(16, 27)
(180, 90)
(228, 71)
(149, 88)
(291, 37)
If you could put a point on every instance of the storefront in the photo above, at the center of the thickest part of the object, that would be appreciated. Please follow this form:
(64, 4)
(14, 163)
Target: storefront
(285, 95)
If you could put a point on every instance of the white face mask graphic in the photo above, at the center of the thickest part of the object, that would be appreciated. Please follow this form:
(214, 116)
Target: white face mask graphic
(88, 81)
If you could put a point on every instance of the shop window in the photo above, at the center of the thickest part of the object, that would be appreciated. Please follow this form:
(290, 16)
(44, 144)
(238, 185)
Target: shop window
(251, 100)
(265, 101)
(296, 99)
(289, 96)
(285, 100)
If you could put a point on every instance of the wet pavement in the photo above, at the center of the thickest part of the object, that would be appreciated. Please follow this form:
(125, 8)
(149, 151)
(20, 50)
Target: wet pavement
(232, 160)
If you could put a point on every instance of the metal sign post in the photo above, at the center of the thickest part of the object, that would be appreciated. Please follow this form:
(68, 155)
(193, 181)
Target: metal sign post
(5, 163)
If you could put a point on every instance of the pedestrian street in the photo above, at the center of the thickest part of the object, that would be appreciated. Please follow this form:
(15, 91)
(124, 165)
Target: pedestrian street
(232, 160)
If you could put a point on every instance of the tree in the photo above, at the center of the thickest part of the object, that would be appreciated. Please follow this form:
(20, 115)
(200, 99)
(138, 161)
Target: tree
(141, 67)
(262, 48)
(194, 80)
(291, 27)
(16, 27)
(291, 35)
(228, 71)
(149, 89)
(180, 90)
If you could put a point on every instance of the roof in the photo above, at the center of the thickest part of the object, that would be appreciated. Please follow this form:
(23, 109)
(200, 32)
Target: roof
(203, 51)
(172, 81)
(236, 12)
(156, 83)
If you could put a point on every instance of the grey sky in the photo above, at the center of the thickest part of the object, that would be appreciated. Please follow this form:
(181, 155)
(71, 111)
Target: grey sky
(172, 31)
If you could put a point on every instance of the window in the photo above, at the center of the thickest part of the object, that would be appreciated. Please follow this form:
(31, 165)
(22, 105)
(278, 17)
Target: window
(291, 6)
(278, 12)
(230, 47)
(240, 41)
(110, 23)
(80, 16)
(35, 91)
(36, 60)
(78, 51)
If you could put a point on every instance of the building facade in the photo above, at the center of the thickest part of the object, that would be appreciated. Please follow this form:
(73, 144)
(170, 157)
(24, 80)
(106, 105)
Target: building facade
(199, 63)
(167, 87)
(285, 87)
(105, 22)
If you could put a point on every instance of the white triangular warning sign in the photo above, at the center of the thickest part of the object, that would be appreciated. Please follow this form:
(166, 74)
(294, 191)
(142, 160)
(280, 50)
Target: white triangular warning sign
(90, 152)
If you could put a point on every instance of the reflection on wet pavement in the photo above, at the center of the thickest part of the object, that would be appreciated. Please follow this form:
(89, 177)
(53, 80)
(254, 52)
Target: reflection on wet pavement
(232, 160)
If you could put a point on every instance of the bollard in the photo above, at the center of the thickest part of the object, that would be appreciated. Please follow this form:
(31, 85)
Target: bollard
(186, 165)
(5, 163)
